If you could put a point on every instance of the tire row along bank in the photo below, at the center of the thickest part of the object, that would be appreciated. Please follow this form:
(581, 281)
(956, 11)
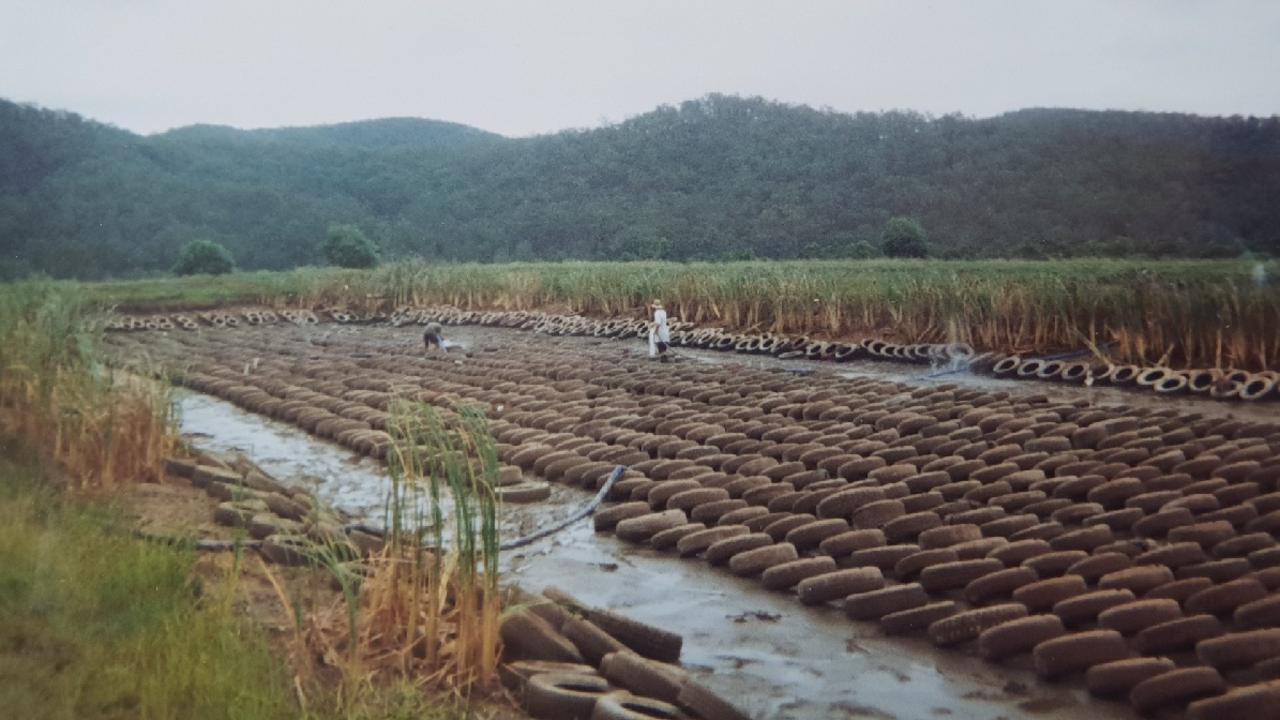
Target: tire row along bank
(1079, 368)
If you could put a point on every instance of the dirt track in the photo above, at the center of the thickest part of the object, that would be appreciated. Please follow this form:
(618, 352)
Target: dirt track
(769, 444)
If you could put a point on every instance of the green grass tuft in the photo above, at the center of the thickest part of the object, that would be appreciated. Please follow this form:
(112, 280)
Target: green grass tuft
(95, 624)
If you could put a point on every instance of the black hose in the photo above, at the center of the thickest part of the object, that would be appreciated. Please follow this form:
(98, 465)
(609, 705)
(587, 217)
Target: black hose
(229, 545)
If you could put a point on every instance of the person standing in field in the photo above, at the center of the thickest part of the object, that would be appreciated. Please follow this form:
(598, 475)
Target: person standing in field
(660, 333)
(434, 335)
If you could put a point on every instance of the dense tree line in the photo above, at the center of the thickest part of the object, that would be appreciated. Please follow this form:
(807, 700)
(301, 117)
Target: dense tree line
(718, 177)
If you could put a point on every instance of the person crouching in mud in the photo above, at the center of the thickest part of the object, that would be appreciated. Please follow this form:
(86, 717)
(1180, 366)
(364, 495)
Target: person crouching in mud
(434, 335)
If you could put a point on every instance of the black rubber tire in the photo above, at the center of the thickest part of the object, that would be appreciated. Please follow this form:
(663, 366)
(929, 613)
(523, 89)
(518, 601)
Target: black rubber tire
(699, 540)
(642, 676)
(948, 535)
(884, 557)
(702, 703)
(811, 535)
(1043, 594)
(1254, 702)
(788, 574)
(1259, 613)
(1206, 534)
(1082, 609)
(909, 567)
(1085, 539)
(838, 585)
(954, 575)
(720, 552)
(1139, 579)
(875, 604)
(1219, 571)
(563, 696)
(608, 518)
(971, 623)
(1016, 553)
(756, 561)
(1240, 649)
(689, 499)
(1117, 678)
(877, 514)
(1176, 687)
(999, 584)
(532, 637)
(514, 675)
(1054, 564)
(850, 541)
(778, 529)
(1225, 598)
(1078, 652)
(917, 618)
(590, 640)
(668, 539)
(1178, 634)
(1100, 563)
(1133, 617)
(907, 527)
(625, 706)
(640, 529)
(1179, 590)
(1018, 635)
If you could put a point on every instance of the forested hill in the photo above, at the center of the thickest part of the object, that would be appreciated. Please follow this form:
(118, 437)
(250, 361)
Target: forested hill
(712, 178)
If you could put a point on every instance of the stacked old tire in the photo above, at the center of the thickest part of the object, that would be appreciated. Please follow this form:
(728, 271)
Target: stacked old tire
(564, 659)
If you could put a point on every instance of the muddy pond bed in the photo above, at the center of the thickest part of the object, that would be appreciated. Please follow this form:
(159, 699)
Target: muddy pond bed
(860, 471)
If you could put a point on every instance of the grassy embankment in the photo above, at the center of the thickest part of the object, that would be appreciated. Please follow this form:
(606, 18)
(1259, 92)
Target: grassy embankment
(96, 624)
(1198, 313)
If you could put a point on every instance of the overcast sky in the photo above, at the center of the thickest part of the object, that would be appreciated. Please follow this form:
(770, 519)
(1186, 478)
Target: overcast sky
(524, 67)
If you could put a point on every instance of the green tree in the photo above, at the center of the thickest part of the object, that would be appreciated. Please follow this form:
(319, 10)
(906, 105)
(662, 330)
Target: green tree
(204, 257)
(346, 246)
(903, 237)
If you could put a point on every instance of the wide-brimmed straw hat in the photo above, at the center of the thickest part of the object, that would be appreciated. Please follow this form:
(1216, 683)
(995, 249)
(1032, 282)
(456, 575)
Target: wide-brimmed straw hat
(657, 303)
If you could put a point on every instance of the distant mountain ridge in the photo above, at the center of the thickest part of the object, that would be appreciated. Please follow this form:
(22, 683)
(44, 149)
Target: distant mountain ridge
(716, 177)
(397, 132)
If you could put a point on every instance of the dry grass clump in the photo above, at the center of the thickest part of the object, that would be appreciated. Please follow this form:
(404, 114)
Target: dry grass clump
(102, 427)
(426, 609)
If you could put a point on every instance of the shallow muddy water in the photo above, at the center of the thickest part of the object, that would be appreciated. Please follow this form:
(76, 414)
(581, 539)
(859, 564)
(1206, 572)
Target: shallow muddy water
(774, 657)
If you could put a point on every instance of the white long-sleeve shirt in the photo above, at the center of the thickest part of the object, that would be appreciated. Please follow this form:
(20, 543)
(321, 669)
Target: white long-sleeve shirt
(660, 323)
